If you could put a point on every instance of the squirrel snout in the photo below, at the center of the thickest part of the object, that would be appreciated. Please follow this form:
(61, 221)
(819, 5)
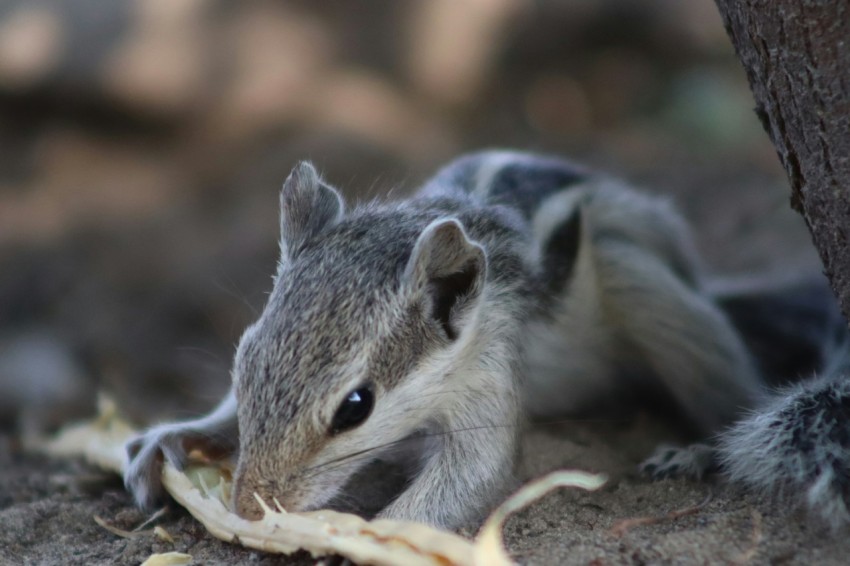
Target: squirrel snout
(246, 490)
(245, 501)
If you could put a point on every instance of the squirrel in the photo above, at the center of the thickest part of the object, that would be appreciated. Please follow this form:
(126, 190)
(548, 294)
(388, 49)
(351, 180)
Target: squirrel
(429, 330)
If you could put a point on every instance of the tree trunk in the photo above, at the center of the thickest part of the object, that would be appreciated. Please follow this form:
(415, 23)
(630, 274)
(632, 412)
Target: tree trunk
(797, 57)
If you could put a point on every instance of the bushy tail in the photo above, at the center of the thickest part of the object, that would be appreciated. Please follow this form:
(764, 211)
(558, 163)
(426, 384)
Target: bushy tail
(797, 445)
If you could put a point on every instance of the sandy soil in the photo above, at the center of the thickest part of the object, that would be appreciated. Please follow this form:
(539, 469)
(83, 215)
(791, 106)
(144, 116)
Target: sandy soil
(48, 511)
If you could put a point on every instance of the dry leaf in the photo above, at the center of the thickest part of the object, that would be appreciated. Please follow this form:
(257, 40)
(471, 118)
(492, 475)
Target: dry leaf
(489, 550)
(168, 559)
(116, 531)
(162, 534)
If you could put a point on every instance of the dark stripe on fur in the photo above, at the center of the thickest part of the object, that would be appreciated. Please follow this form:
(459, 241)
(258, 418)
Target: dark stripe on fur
(560, 253)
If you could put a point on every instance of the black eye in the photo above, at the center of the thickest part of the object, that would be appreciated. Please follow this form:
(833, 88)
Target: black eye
(354, 410)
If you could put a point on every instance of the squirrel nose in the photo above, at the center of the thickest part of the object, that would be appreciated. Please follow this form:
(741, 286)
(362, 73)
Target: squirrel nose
(244, 502)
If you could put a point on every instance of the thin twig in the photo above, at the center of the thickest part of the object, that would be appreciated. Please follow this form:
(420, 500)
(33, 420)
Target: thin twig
(159, 513)
(620, 527)
(120, 532)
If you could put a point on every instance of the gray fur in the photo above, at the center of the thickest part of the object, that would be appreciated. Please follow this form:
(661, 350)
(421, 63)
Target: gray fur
(794, 448)
(797, 446)
(511, 283)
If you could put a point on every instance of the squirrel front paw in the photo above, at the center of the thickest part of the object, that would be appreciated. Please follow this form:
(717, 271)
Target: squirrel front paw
(143, 475)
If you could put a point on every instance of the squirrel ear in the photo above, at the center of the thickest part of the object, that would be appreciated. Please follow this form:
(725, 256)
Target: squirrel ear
(450, 269)
(307, 206)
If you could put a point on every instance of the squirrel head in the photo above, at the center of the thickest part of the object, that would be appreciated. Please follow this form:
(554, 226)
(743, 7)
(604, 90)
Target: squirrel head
(371, 312)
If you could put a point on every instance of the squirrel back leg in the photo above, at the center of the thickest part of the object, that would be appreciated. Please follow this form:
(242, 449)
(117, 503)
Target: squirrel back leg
(633, 315)
(673, 329)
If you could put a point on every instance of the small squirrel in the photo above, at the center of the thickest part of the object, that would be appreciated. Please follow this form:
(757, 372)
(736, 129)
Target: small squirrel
(427, 330)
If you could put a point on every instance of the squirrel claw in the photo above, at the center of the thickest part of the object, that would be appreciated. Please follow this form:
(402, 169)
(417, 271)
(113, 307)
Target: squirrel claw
(692, 461)
(143, 476)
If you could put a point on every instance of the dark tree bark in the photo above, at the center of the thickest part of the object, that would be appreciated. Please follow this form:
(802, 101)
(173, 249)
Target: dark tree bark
(797, 57)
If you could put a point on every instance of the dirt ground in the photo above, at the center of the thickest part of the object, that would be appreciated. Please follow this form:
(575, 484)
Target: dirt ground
(48, 511)
(140, 156)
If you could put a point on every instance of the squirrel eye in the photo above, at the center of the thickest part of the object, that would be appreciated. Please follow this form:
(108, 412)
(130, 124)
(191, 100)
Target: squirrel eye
(354, 410)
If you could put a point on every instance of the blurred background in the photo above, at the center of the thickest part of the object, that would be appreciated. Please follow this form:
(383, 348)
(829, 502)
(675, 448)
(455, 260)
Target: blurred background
(142, 145)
